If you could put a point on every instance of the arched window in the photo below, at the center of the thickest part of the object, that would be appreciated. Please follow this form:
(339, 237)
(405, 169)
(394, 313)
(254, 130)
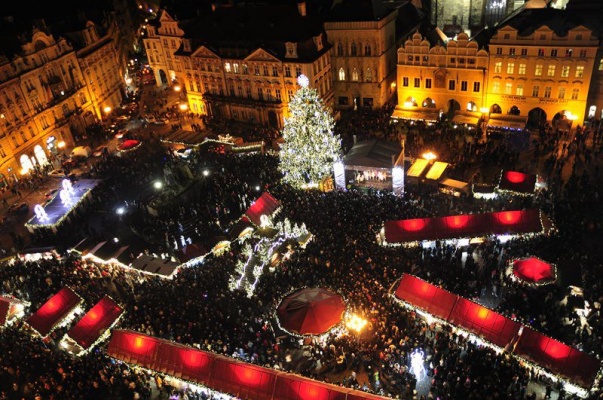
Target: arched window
(339, 49)
(354, 50)
(40, 155)
(355, 75)
(26, 164)
(369, 75)
(367, 49)
(341, 74)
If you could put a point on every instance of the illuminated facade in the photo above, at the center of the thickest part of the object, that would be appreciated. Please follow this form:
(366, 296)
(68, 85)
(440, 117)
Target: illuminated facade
(242, 63)
(540, 68)
(436, 79)
(363, 57)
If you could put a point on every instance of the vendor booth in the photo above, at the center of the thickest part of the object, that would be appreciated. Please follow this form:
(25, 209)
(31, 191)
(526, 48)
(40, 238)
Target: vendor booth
(454, 187)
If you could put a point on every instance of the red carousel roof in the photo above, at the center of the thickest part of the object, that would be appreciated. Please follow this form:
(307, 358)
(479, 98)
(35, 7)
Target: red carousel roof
(533, 270)
(310, 311)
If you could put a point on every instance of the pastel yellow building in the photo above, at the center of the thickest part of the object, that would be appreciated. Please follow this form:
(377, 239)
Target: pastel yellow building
(540, 69)
(441, 81)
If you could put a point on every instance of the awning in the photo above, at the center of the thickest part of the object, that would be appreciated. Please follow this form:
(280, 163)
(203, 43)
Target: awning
(507, 121)
(436, 170)
(154, 265)
(465, 119)
(417, 168)
(454, 184)
(429, 116)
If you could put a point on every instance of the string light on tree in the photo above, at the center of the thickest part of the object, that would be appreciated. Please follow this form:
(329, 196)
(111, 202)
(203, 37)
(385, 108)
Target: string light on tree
(310, 146)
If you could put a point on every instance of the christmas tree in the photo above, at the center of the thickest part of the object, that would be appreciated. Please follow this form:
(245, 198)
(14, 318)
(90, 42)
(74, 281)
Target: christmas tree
(310, 147)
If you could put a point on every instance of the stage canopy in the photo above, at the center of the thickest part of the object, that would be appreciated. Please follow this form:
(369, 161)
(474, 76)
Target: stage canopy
(310, 311)
(463, 226)
(54, 311)
(534, 270)
(155, 265)
(94, 323)
(517, 182)
(559, 358)
(265, 205)
(220, 373)
(436, 170)
(10, 308)
(417, 168)
(573, 365)
(372, 154)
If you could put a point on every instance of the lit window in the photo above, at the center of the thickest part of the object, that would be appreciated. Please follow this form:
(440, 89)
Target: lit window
(496, 86)
(498, 67)
(575, 93)
(538, 70)
(522, 69)
(561, 93)
(227, 67)
(551, 70)
(510, 68)
(565, 71)
(519, 90)
(547, 92)
(341, 74)
(508, 87)
(579, 71)
(355, 75)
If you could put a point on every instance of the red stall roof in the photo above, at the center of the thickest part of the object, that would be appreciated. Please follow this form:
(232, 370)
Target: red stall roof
(223, 374)
(430, 298)
(463, 226)
(517, 182)
(491, 326)
(9, 306)
(559, 358)
(95, 322)
(54, 311)
(265, 205)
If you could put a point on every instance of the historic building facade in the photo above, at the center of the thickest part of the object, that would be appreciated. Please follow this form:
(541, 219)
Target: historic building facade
(540, 69)
(441, 80)
(363, 57)
(242, 64)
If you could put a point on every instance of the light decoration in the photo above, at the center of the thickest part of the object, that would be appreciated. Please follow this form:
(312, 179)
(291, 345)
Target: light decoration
(398, 180)
(429, 156)
(265, 221)
(513, 192)
(417, 364)
(356, 323)
(41, 214)
(309, 147)
(339, 172)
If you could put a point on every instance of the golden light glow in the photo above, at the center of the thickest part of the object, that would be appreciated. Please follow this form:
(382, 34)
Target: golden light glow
(184, 106)
(24, 171)
(393, 85)
(430, 155)
(61, 144)
(177, 88)
(355, 323)
(484, 110)
(107, 110)
(408, 104)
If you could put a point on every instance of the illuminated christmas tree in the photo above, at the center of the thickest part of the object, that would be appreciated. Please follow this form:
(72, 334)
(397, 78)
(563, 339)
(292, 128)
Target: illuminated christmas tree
(310, 147)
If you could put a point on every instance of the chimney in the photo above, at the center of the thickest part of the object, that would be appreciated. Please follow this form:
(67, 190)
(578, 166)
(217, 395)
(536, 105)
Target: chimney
(301, 7)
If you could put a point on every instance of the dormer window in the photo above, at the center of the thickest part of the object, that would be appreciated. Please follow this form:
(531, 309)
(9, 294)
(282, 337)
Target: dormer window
(318, 42)
(187, 45)
(291, 50)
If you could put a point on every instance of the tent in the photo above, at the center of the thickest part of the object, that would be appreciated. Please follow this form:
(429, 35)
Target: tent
(220, 373)
(10, 308)
(463, 226)
(559, 358)
(430, 298)
(54, 311)
(264, 205)
(95, 322)
(517, 182)
(372, 154)
(436, 170)
(155, 265)
(533, 270)
(310, 311)
(483, 322)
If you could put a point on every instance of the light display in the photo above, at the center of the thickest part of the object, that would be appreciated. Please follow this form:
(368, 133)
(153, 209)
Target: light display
(417, 364)
(40, 213)
(310, 147)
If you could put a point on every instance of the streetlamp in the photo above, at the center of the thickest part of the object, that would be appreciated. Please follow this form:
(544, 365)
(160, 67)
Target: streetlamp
(183, 107)
(205, 172)
(157, 185)
(429, 156)
(107, 110)
(177, 88)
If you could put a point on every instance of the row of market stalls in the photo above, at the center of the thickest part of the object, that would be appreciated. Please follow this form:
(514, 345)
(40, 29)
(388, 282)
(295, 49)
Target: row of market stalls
(576, 368)
(62, 308)
(223, 374)
(468, 226)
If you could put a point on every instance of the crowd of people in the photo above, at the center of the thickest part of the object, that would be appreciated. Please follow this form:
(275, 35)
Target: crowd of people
(198, 308)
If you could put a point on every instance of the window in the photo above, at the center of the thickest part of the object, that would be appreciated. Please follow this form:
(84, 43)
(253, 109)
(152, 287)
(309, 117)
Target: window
(288, 71)
(496, 86)
(290, 94)
(580, 71)
(561, 93)
(538, 70)
(583, 53)
(236, 68)
(417, 82)
(256, 70)
(510, 68)
(274, 71)
(2, 152)
(540, 52)
(601, 64)
(341, 74)
(575, 93)
(508, 87)
(355, 75)
(554, 53)
(463, 86)
(367, 101)
(343, 101)
(231, 90)
(547, 92)
(476, 86)
(367, 50)
(277, 93)
(499, 50)
(227, 67)
(461, 60)
(524, 52)
(512, 51)
(536, 91)
(568, 52)
(240, 91)
(519, 90)
(452, 60)
(405, 81)
(565, 71)
(498, 67)
(522, 69)
(369, 75)
(451, 85)
(354, 49)
(265, 70)
(551, 70)
(298, 72)
(428, 83)
(260, 93)
(339, 49)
